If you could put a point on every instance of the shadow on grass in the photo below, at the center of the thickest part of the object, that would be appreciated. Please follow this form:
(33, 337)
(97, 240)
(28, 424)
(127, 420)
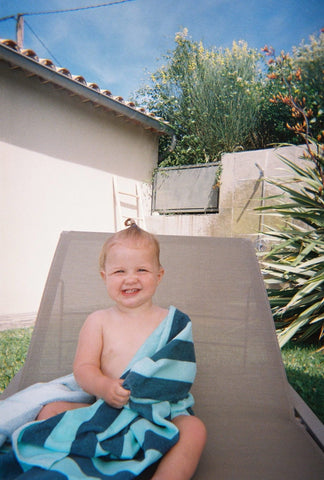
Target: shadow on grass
(304, 366)
(310, 388)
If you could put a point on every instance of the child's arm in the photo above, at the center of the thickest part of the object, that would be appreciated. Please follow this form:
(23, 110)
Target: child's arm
(86, 366)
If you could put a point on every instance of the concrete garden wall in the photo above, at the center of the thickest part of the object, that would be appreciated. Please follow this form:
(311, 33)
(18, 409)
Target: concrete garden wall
(241, 191)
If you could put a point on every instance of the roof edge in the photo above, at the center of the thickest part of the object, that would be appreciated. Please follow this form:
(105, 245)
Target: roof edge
(92, 93)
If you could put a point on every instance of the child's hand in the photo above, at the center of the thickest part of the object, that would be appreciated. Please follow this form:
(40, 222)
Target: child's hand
(116, 396)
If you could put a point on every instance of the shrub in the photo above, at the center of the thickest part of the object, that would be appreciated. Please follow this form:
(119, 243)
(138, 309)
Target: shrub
(294, 267)
(209, 96)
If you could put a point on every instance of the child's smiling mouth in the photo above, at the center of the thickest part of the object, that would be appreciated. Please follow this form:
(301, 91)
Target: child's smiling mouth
(130, 291)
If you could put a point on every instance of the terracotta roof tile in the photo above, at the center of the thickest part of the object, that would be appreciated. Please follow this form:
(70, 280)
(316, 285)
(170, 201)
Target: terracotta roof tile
(94, 86)
(10, 43)
(47, 63)
(118, 98)
(80, 79)
(64, 71)
(29, 53)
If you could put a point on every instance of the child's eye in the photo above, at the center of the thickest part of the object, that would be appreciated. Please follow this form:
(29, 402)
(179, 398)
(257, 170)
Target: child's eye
(142, 270)
(119, 271)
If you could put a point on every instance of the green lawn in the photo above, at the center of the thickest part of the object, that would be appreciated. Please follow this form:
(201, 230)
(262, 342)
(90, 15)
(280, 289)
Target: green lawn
(304, 366)
(305, 371)
(13, 349)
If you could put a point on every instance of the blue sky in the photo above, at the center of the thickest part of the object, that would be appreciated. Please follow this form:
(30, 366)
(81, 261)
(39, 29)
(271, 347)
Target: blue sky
(116, 46)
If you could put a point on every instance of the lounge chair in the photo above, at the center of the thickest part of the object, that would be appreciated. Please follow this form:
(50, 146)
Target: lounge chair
(241, 389)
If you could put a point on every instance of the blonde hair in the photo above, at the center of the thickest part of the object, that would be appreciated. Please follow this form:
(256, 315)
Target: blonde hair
(134, 234)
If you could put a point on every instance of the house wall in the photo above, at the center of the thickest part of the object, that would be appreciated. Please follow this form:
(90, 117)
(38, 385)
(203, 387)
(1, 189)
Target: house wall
(43, 118)
(57, 159)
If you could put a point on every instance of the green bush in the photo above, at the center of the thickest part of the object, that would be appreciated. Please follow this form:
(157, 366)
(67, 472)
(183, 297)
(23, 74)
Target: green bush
(294, 266)
(209, 96)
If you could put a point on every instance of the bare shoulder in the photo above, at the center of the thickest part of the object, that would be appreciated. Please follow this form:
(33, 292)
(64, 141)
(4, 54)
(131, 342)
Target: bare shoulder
(156, 315)
(97, 318)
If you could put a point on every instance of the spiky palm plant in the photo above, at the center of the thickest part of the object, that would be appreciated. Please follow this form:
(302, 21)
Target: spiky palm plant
(294, 266)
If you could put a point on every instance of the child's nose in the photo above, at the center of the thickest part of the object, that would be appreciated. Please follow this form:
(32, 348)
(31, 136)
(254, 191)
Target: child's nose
(131, 277)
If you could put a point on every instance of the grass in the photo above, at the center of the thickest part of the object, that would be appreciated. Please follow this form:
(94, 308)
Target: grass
(13, 349)
(304, 366)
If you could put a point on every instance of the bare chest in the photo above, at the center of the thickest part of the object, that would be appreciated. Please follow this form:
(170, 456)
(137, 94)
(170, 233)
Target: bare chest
(120, 346)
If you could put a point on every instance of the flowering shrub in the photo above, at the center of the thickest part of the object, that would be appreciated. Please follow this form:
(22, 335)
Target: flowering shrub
(299, 84)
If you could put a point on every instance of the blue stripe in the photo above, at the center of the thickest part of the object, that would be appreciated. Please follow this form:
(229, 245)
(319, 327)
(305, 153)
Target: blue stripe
(115, 445)
(177, 350)
(157, 388)
(86, 438)
(143, 409)
(90, 470)
(180, 320)
(38, 433)
(153, 441)
(40, 474)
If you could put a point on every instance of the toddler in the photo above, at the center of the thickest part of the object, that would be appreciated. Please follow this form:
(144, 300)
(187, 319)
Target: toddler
(109, 339)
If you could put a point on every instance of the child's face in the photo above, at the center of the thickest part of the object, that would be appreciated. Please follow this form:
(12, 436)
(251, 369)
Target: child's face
(132, 274)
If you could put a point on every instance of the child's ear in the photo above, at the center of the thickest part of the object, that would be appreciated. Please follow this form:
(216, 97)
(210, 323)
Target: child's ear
(103, 275)
(160, 274)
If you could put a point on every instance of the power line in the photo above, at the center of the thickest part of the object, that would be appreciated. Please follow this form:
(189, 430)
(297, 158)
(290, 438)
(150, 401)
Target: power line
(9, 17)
(67, 10)
(41, 41)
(76, 9)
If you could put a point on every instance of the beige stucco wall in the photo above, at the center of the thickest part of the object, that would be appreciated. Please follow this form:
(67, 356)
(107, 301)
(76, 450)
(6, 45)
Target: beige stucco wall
(57, 158)
(42, 118)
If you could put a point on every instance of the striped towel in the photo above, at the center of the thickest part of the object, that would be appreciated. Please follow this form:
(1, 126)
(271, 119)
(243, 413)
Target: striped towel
(101, 442)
